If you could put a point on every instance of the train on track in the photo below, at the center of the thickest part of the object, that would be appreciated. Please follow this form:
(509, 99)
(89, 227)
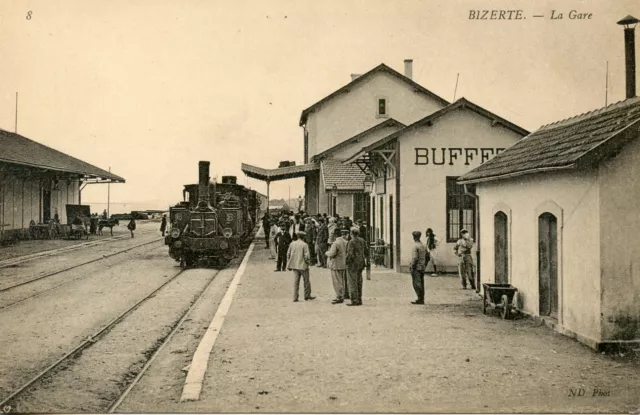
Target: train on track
(214, 221)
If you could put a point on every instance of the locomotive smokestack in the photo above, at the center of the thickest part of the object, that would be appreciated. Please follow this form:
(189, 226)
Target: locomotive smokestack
(203, 181)
(629, 24)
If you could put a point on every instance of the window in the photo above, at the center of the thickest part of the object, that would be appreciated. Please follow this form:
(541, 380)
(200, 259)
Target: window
(360, 207)
(461, 211)
(382, 110)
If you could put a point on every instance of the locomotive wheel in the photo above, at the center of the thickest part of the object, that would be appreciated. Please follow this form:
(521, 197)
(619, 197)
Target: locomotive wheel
(191, 260)
(230, 253)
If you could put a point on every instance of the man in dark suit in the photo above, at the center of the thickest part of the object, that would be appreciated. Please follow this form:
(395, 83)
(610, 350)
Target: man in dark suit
(265, 227)
(356, 259)
(283, 246)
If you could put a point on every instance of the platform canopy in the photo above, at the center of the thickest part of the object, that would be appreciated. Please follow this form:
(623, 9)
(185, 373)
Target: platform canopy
(282, 173)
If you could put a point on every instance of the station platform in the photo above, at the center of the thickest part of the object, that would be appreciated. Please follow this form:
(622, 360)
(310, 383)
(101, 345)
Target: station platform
(274, 355)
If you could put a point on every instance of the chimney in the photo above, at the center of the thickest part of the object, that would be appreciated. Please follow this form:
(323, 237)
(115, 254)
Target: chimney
(203, 182)
(408, 68)
(354, 76)
(629, 24)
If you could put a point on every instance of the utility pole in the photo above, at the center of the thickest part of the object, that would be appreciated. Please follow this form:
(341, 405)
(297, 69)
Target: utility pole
(109, 196)
(16, 122)
(455, 91)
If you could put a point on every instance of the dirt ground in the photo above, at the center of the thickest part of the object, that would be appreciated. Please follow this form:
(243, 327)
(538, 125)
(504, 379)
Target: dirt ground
(27, 247)
(274, 355)
(39, 330)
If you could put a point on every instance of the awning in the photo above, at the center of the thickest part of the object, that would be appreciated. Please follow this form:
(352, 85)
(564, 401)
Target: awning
(282, 173)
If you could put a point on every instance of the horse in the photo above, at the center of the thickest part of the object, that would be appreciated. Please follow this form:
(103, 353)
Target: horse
(107, 223)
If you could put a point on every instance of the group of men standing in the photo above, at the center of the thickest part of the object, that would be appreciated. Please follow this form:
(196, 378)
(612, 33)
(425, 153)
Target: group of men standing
(301, 241)
(421, 255)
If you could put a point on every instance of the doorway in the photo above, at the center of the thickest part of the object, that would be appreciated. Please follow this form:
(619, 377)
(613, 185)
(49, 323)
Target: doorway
(548, 264)
(501, 246)
(46, 206)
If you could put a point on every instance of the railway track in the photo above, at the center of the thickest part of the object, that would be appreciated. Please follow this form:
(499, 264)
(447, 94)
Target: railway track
(100, 334)
(51, 274)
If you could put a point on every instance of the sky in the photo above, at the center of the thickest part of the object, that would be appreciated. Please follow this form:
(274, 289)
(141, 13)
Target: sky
(150, 87)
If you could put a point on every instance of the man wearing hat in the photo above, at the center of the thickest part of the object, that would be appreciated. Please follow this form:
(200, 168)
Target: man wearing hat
(356, 259)
(284, 240)
(337, 256)
(418, 253)
(322, 240)
(298, 259)
(344, 234)
(465, 267)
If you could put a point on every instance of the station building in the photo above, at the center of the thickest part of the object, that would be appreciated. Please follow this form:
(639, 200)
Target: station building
(559, 222)
(36, 182)
(386, 128)
(369, 107)
(414, 173)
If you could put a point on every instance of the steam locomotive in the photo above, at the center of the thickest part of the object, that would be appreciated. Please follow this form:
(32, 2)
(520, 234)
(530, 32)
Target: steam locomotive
(214, 220)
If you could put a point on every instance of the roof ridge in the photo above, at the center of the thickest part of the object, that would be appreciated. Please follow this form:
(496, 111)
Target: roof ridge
(585, 115)
(384, 67)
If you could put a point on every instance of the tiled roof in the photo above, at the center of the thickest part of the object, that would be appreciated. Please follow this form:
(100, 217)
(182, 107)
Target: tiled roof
(577, 142)
(387, 123)
(281, 173)
(16, 149)
(380, 68)
(344, 176)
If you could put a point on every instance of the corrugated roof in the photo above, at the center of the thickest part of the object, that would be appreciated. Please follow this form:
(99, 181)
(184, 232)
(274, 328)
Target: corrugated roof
(16, 149)
(281, 173)
(344, 176)
(380, 68)
(577, 142)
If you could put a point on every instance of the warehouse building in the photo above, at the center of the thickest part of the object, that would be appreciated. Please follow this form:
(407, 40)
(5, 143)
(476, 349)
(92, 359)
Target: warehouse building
(37, 182)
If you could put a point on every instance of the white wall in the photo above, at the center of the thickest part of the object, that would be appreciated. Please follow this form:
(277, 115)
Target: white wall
(620, 229)
(423, 186)
(349, 114)
(21, 201)
(348, 150)
(573, 198)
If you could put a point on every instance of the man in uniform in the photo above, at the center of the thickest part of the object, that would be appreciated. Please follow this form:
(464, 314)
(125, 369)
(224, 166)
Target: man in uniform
(356, 259)
(418, 253)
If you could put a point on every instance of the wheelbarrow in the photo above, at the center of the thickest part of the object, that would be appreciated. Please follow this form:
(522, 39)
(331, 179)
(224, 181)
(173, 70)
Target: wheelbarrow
(499, 297)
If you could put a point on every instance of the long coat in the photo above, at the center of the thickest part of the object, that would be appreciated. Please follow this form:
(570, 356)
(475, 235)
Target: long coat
(337, 254)
(298, 256)
(356, 253)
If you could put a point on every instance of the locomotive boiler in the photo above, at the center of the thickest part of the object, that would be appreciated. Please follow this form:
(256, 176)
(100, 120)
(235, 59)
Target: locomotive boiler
(214, 220)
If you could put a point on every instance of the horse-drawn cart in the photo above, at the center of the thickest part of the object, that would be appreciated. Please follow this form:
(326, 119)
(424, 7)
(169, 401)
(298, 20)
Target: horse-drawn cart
(78, 220)
(500, 297)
